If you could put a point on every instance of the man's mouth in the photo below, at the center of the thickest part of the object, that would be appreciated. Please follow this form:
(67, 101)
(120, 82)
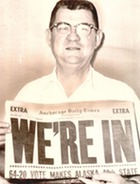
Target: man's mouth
(72, 48)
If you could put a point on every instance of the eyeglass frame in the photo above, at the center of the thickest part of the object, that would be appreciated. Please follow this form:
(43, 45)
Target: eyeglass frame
(91, 26)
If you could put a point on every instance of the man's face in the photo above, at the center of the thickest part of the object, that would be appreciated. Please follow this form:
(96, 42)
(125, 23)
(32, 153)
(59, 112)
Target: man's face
(72, 49)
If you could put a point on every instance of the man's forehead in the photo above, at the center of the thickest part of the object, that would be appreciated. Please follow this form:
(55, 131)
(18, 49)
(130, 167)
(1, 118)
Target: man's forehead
(78, 15)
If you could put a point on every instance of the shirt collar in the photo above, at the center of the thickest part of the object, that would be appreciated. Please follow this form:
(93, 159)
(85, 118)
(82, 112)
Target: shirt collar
(87, 85)
(53, 76)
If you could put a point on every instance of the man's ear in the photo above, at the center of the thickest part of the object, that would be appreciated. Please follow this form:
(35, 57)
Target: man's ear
(48, 37)
(99, 39)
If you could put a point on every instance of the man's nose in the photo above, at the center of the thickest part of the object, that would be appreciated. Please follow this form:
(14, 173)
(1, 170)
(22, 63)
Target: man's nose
(73, 35)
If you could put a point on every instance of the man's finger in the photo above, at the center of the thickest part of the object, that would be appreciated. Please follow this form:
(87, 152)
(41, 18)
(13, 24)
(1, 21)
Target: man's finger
(89, 181)
(109, 177)
(3, 181)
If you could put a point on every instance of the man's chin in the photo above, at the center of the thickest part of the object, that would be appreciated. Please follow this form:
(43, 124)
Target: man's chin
(73, 62)
(73, 59)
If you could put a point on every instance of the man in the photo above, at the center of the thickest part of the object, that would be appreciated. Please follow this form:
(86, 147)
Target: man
(74, 36)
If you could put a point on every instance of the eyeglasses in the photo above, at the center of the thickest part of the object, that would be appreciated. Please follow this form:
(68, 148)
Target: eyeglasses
(82, 29)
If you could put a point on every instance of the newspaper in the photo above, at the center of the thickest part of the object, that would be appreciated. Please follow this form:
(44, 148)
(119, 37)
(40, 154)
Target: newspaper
(71, 140)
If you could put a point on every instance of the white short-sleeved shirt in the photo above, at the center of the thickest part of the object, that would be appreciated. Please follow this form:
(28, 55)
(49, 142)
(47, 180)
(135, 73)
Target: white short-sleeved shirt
(48, 89)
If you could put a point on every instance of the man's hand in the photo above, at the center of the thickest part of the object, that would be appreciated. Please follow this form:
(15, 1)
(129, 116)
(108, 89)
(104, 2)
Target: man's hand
(3, 181)
(4, 129)
(109, 178)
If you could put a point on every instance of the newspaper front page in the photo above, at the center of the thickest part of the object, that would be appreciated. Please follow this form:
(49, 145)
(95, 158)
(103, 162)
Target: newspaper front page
(71, 140)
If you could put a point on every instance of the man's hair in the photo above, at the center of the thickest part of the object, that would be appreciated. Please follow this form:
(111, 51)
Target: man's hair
(75, 5)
